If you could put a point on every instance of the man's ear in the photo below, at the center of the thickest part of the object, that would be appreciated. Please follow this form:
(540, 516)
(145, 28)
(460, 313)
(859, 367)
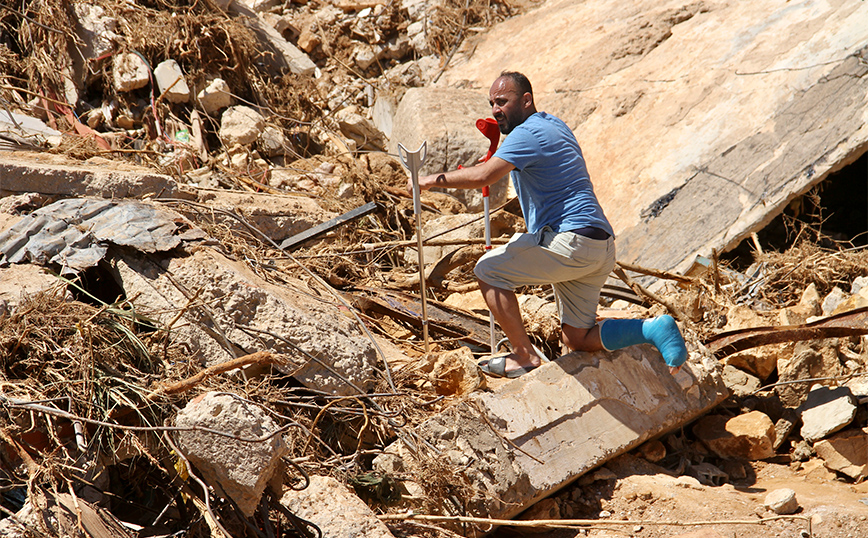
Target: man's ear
(527, 100)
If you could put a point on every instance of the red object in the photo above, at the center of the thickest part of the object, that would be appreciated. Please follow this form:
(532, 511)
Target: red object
(488, 127)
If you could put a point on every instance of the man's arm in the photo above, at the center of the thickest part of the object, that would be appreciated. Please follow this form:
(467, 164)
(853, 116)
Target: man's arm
(474, 177)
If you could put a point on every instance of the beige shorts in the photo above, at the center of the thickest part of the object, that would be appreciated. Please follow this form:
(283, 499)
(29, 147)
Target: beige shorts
(575, 266)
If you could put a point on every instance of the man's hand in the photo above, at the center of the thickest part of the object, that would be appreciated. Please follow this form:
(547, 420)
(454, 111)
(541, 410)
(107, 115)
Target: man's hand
(474, 177)
(426, 182)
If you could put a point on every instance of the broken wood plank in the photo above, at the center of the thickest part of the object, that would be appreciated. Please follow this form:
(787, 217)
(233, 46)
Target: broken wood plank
(320, 229)
(852, 323)
(447, 321)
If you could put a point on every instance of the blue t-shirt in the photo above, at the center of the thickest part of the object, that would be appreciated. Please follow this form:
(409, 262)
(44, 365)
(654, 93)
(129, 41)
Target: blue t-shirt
(550, 176)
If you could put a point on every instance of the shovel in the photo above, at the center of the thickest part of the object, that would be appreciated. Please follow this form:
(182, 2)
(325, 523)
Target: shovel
(412, 161)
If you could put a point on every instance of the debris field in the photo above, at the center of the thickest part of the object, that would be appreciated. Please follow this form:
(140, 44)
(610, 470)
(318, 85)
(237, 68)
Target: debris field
(229, 349)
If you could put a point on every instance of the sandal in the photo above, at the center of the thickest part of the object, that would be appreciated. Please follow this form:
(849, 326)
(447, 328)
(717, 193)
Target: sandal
(496, 366)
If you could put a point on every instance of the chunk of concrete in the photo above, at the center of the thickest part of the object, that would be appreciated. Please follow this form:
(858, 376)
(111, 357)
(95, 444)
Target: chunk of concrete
(353, 125)
(808, 359)
(277, 216)
(53, 176)
(283, 54)
(130, 72)
(239, 466)
(95, 28)
(230, 311)
(846, 453)
(215, 96)
(337, 511)
(748, 436)
(240, 125)
(171, 82)
(739, 382)
(826, 411)
(782, 501)
(533, 435)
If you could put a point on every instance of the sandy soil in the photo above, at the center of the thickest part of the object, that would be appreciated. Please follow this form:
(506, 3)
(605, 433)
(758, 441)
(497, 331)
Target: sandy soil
(644, 495)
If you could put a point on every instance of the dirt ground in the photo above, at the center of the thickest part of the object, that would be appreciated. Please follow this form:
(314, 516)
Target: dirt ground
(645, 495)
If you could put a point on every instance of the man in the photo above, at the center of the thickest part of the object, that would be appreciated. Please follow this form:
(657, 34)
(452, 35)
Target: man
(569, 243)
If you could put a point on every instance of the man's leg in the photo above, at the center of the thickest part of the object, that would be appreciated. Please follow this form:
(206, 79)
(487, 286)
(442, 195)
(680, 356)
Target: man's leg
(576, 339)
(661, 331)
(503, 304)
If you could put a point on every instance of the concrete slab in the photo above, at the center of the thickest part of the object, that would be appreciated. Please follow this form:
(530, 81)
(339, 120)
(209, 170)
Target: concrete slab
(52, 175)
(536, 434)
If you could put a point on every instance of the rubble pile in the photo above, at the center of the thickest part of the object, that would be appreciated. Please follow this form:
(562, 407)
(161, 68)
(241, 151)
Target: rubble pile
(222, 93)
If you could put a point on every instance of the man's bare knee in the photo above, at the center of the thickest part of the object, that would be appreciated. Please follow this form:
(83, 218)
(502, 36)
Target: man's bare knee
(577, 339)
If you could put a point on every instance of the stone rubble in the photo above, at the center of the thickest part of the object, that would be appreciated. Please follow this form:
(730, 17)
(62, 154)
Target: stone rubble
(239, 467)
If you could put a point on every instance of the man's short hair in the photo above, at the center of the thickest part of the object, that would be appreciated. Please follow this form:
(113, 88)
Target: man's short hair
(522, 84)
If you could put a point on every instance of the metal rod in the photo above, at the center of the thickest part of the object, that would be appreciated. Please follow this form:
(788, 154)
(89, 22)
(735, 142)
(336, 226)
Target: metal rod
(413, 162)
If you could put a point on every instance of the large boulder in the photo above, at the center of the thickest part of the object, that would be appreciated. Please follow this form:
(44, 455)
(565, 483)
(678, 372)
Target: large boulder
(445, 119)
(700, 121)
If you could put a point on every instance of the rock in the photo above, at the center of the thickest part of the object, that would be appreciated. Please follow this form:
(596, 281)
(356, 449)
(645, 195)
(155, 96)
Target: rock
(272, 142)
(802, 452)
(171, 82)
(782, 501)
(446, 120)
(240, 125)
(826, 411)
(97, 29)
(809, 359)
(832, 300)
(215, 96)
(279, 54)
(260, 6)
(857, 300)
(846, 453)
(453, 373)
(748, 436)
(858, 284)
(337, 511)
(653, 450)
(308, 40)
(130, 72)
(360, 129)
(740, 383)
(809, 305)
(859, 387)
(784, 427)
(760, 362)
(471, 301)
(241, 468)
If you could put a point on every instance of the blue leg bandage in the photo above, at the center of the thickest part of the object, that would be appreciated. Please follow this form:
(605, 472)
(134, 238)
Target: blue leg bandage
(660, 331)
